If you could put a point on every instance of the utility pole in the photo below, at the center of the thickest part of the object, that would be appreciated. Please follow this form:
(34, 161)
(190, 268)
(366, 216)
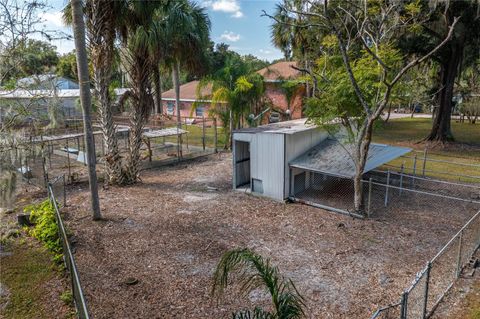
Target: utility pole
(86, 101)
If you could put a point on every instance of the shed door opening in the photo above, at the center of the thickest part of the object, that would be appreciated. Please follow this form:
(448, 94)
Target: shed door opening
(242, 163)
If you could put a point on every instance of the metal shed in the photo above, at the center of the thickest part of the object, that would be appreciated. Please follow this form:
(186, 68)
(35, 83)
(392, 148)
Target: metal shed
(297, 160)
(261, 155)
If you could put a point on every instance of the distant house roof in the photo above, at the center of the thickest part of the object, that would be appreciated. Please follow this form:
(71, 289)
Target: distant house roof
(46, 82)
(279, 71)
(188, 92)
(29, 94)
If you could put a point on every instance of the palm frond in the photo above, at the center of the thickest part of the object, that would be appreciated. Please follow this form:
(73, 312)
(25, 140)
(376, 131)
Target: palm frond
(253, 271)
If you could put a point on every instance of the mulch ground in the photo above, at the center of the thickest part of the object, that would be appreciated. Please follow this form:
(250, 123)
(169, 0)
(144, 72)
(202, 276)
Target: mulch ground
(169, 232)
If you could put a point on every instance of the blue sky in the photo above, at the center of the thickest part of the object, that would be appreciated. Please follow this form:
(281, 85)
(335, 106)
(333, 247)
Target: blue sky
(235, 22)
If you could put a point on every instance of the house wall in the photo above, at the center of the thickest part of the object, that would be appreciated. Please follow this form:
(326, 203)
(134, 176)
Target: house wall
(185, 109)
(296, 145)
(274, 92)
(38, 107)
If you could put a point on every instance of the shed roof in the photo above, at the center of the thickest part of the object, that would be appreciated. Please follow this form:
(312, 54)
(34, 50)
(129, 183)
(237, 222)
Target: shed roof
(287, 127)
(333, 158)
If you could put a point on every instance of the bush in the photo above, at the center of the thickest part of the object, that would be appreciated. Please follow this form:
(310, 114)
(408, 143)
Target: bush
(45, 227)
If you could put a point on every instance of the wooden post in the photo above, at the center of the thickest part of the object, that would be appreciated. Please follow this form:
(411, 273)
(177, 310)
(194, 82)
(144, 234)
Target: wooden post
(150, 153)
(369, 196)
(215, 138)
(414, 170)
(50, 150)
(386, 188)
(424, 161)
(203, 133)
(401, 176)
(68, 162)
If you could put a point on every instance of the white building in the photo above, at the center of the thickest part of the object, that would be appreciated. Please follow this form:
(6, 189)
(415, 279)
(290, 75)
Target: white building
(283, 159)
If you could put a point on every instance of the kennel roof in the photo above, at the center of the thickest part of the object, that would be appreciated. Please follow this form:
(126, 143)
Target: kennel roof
(286, 127)
(334, 158)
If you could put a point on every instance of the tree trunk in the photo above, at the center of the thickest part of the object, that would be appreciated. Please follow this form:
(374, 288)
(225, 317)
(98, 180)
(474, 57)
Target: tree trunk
(362, 146)
(176, 85)
(86, 101)
(441, 128)
(142, 105)
(101, 58)
(389, 113)
(157, 84)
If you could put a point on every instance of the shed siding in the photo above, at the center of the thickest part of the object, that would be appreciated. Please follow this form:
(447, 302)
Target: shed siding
(267, 160)
(296, 145)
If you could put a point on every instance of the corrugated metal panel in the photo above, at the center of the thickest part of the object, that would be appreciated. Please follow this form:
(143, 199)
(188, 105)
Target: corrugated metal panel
(333, 158)
(267, 163)
(296, 145)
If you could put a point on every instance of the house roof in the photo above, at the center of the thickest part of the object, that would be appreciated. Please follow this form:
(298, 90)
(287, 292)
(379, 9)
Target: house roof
(29, 94)
(46, 81)
(287, 127)
(279, 71)
(188, 92)
(333, 158)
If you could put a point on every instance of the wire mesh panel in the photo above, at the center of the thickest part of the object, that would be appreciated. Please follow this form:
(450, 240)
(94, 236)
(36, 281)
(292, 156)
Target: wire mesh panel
(443, 273)
(324, 189)
(389, 312)
(415, 303)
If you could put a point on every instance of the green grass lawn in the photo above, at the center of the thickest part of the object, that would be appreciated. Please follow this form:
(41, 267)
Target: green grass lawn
(27, 273)
(410, 132)
(195, 133)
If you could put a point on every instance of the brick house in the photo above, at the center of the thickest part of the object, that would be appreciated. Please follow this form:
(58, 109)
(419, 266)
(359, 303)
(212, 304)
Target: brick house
(275, 75)
(188, 95)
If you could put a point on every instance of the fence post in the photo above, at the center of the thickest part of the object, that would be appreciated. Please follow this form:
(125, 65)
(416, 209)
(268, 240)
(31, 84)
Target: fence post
(424, 161)
(203, 132)
(459, 257)
(68, 161)
(369, 196)
(401, 176)
(215, 138)
(386, 188)
(425, 294)
(414, 169)
(64, 191)
(403, 304)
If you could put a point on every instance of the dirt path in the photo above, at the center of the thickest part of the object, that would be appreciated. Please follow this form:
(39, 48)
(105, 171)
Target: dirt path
(170, 230)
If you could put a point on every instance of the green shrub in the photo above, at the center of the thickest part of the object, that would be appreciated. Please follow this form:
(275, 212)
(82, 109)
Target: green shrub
(67, 297)
(45, 228)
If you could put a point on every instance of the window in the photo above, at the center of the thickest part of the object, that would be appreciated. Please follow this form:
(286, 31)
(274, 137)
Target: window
(200, 110)
(170, 107)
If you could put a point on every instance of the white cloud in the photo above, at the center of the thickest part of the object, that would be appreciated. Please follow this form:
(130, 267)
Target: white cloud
(52, 19)
(265, 51)
(228, 6)
(230, 36)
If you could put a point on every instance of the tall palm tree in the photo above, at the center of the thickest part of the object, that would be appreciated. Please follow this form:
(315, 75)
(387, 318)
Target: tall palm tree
(102, 23)
(103, 19)
(253, 272)
(86, 101)
(141, 36)
(188, 37)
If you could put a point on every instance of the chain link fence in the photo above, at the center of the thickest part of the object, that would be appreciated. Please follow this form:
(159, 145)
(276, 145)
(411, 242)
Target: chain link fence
(430, 285)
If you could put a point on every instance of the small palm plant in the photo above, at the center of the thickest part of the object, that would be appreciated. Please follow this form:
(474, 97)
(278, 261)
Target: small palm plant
(256, 272)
